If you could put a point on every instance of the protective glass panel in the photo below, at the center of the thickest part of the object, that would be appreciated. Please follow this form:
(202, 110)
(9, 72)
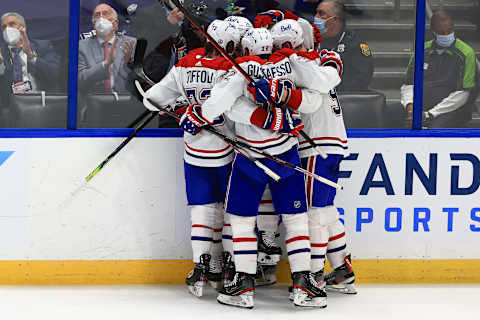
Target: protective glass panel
(451, 66)
(33, 64)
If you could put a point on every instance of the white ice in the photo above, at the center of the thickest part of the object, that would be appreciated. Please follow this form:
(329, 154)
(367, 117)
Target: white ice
(390, 302)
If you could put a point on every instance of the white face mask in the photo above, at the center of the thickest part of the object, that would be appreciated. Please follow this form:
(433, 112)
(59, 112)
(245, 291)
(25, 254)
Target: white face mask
(103, 26)
(11, 36)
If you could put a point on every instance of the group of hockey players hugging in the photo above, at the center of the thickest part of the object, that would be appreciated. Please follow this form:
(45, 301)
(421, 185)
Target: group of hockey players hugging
(235, 207)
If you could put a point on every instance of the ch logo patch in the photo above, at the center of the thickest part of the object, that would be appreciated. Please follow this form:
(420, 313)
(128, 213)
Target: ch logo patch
(297, 204)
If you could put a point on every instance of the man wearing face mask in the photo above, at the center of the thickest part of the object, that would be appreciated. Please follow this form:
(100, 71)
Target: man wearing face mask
(103, 60)
(449, 77)
(356, 55)
(25, 65)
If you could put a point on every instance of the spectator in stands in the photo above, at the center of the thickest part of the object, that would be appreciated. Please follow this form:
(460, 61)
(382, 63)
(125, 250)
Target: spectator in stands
(305, 6)
(26, 65)
(103, 60)
(356, 55)
(449, 77)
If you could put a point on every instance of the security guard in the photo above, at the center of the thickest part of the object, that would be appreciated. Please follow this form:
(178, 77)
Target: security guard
(356, 55)
(449, 78)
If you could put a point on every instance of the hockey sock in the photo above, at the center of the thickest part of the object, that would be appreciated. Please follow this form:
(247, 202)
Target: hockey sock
(337, 245)
(297, 241)
(244, 243)
(267, 221)
(227, 240)
(202, 229)
(318, 238)
(217, 247)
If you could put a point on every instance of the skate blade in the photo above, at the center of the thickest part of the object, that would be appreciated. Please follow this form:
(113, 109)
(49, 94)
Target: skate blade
(241, 301)
(197, 289)
(268, 260)
(342, 288)
(301, 299)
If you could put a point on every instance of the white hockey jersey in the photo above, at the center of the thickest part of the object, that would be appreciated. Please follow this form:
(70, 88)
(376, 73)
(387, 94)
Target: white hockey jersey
(323, 123)
(193, 78)
(231, 96)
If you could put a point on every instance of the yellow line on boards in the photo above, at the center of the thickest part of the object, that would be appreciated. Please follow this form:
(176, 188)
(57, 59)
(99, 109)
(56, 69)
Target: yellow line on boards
(112, 272)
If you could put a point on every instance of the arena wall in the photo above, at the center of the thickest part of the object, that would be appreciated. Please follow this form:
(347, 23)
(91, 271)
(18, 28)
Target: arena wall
(410, 205)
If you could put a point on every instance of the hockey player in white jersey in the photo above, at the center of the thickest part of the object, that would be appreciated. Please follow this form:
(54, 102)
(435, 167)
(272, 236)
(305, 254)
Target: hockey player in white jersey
(324, 124)
(207, 158)
(274, 132)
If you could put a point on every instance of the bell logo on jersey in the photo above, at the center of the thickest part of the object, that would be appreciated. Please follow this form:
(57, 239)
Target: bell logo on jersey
(286, 28)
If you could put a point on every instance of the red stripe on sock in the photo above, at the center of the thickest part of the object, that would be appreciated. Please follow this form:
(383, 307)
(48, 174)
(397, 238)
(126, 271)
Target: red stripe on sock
(217, 230)
(244, 239)
(319, 245)
(297, 239)
(338, 236)
(227, 225)
(200, 226)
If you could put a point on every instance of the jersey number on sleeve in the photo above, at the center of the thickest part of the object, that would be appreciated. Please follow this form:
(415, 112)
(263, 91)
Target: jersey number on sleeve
(195, 96)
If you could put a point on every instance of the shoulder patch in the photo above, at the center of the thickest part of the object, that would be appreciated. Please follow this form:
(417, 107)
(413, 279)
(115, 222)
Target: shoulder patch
(365, 49)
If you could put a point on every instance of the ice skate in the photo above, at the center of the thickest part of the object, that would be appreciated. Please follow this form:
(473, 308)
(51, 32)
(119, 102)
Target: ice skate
(269, 252)
(266, 275)
(228, 267)
(238, 292)
(215, 274)
(197, 278)
(307, 292)
(342, 279)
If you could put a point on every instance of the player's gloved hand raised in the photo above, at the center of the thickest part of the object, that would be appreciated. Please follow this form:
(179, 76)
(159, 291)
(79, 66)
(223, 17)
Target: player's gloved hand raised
(193, 121)
(282, 121)
(278, 91)
(331, 59)
(260, 91)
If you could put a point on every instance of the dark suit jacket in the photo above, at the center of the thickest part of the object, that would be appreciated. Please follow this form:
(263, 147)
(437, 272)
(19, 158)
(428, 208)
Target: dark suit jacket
(45, 70)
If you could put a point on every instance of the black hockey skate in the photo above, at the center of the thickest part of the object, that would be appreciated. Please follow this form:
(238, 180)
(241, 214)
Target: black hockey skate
(269, 252)
(215, 274)
(342, 279)
(238, 292)
(197, 278)
(307, 292)
(265, 275)
(228, 267)
(318, 277)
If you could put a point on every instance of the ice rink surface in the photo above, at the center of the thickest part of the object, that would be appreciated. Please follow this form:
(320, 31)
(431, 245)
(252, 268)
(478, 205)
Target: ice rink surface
(390, 302)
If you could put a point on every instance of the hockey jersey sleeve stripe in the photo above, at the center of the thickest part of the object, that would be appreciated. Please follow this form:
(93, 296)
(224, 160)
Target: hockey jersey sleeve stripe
(297, 239)
(338, 236)
(326, 138)
(323, 145)
(208, 151)
(261, 141)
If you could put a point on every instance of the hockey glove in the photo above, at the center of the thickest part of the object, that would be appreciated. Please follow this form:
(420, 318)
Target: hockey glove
(316, 35)
(331, 59)
(193, 121)
(277, 120)
(279, 88)
(260, 91)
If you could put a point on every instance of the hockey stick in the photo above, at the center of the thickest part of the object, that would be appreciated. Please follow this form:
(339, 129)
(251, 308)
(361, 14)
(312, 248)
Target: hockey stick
(237, 144)
(153, 114)
(237, 66)
(140, 49)
(227, 139)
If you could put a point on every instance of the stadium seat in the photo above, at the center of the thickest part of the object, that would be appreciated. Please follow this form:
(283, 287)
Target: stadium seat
(29, 111)
(110, 111)
(363, 109)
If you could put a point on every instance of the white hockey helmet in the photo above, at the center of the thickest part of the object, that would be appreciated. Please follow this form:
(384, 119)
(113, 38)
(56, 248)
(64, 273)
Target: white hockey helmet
(241, 23)
(258, 41)
(223, 32)
(287, 30)
(308, 39)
